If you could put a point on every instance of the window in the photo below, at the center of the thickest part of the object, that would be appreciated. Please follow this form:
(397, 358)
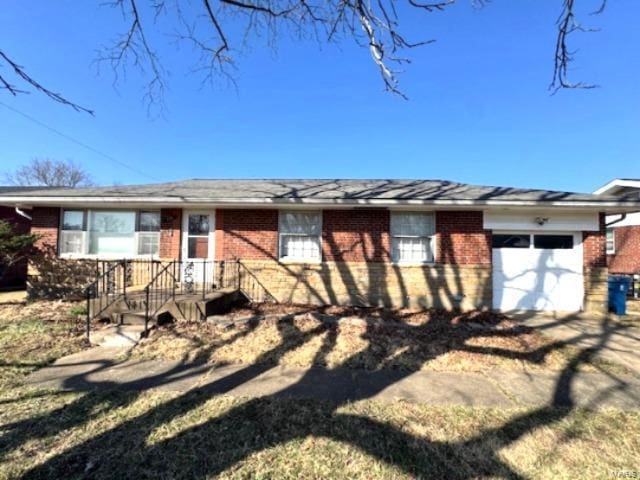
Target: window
(72, 238)
(300, 235)
(562, 242)
(109, 233)
(149, 233)
(413, 235)
(112, 233)
(611, 240)
(511, 241)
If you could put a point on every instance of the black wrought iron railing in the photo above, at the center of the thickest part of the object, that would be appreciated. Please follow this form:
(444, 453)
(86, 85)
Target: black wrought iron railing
(159, 291)
(148, 287)
(250, 285)
(109, 286)
(114, 279)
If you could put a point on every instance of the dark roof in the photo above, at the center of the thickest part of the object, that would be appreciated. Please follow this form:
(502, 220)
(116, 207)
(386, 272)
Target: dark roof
(274, 189)
(13, 189)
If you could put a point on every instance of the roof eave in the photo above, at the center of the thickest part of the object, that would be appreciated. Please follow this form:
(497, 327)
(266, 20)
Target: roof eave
(616, 184)
(603, 205)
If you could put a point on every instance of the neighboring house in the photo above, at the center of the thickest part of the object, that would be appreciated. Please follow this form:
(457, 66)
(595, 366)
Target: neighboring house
(16, 276)
(623, 231)
(394, 243)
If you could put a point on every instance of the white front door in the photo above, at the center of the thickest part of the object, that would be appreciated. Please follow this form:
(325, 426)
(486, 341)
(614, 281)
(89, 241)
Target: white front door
(197, 248)
(537, 271)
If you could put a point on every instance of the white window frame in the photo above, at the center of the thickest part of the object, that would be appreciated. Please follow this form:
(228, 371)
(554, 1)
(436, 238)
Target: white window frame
(281, 235)
(431, 239)
(82, 232)
(85, 236)
(612, 250)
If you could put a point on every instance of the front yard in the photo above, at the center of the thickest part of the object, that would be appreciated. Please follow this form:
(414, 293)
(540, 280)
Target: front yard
(364, 338)
(116, 434)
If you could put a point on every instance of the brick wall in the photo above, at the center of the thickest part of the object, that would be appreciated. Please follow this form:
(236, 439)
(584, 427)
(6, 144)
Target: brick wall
(248, 234)
(626, 258)
(170, 233)
(595, 269)
(360, 235)
(375, 284)
(595, 247)
(46, 222)
(461, 239)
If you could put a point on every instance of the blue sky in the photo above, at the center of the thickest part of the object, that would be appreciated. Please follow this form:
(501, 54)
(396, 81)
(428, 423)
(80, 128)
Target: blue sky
(479, 110)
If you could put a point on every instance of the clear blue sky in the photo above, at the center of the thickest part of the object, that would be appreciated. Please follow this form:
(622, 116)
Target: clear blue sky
(479, 108)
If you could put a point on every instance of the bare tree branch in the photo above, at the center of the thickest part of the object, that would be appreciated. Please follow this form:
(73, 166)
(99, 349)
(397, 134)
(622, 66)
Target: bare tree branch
(564, 57)
(219, 30)
(49, 173)
(21, 73)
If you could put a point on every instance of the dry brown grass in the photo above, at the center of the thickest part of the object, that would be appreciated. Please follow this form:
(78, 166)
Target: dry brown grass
(34, 334)
(113, 435)
(369, 339)
(116, 434)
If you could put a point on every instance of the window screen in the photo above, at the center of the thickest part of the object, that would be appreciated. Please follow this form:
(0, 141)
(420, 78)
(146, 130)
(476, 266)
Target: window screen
(553, 241)
(300, 235)
(412, 234)
(510, 241)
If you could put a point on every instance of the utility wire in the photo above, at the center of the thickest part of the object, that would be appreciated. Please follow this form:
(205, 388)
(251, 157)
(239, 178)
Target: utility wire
(78, 142)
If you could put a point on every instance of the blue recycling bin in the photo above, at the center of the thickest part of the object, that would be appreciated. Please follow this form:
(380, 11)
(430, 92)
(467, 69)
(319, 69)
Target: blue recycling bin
(618, 288)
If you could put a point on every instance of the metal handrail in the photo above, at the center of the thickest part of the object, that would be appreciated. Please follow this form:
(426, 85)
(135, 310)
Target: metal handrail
(93, 291)
(249, 284)
(162, 279)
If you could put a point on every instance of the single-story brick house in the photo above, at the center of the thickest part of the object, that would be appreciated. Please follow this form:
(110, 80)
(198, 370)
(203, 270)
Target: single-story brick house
(16, 276)
(371, 242)
(623, 231)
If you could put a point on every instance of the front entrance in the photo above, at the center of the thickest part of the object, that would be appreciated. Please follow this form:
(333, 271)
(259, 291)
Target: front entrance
(197, 267)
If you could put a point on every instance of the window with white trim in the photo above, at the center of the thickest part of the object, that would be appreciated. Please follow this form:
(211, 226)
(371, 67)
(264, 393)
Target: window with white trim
(300, 236)
(413, 237)
(611, 240)
(112, 233)
(72, 235)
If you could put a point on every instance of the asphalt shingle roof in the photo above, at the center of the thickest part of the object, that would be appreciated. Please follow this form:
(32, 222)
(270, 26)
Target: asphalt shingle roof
(274, 189)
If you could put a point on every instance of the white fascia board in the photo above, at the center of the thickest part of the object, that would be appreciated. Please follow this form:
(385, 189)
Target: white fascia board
(615, 184)
(173, 202)
(542, 220)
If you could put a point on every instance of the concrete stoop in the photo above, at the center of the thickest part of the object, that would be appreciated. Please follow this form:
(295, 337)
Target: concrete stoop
(117, 336)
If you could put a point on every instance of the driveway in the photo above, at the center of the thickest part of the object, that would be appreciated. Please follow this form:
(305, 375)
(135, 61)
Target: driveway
(615, 340)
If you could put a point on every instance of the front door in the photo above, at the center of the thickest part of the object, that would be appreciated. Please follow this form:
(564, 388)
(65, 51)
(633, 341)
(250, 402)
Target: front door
(197, 250)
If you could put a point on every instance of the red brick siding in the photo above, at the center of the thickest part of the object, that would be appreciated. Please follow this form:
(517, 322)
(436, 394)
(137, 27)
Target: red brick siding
(461, 239)
(626, 258)
(170, 228)
(46, 222)
(356, 235)
(595, 247)
(249, 234)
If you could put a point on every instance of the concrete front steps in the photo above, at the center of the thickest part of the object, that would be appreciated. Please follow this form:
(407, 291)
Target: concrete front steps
(126, 318)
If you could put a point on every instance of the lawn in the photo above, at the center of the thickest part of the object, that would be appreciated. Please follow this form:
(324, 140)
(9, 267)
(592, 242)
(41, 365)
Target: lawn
(365, 338)
(161, 435)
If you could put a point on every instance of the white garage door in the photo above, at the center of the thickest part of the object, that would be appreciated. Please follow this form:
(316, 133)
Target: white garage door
(533, 271)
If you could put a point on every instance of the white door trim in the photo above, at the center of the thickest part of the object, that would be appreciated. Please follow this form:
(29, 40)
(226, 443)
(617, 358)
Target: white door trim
(197, 272)
(184, 253)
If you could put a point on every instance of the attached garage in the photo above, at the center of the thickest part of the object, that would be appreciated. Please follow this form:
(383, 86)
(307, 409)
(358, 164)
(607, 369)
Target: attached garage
(537, 271)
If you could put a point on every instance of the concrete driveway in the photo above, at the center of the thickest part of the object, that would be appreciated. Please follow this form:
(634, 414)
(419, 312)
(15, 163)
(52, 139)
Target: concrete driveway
(614, 339)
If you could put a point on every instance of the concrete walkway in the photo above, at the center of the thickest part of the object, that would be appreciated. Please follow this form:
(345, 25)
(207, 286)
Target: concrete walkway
(613, 339)
(104, 368)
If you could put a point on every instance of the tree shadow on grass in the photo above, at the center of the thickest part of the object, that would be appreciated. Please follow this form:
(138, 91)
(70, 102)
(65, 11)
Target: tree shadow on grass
(253, 426)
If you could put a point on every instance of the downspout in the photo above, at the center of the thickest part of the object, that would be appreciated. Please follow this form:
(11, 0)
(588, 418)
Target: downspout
(22, 213)
(622, 217)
